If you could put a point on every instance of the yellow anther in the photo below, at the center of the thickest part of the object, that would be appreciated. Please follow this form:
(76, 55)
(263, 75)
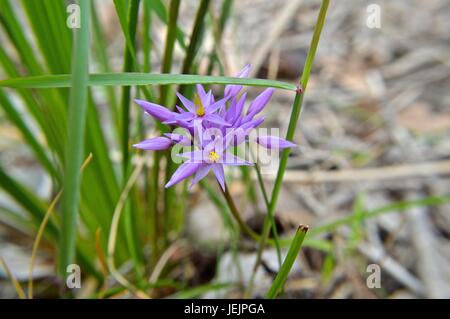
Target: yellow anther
(213, 156)
(199, 108)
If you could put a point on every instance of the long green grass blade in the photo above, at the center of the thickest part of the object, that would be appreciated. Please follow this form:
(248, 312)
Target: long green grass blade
(291, 256)
(295, 114)
(121, 79)
(75, 143)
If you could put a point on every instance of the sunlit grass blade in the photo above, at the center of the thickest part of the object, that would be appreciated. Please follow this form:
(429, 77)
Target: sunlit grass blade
(13, 279)
(121, 79)
(291, 256)
(75, 143)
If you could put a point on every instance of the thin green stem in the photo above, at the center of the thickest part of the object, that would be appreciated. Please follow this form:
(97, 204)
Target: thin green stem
(237, 216)
(295, 114)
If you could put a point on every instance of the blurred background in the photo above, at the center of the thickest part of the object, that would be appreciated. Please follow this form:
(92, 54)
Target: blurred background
(374, 138)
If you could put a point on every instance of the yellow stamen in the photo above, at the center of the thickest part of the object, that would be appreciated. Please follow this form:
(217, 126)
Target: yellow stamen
(213, 156)
(199, 108)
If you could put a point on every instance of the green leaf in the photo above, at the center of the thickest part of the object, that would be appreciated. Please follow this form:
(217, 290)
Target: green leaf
(124, 79)
(121, 9)
(292, 254)
(75, 144)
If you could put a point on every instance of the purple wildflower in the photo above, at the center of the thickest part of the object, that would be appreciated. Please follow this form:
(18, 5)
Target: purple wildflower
(210, 157)
(213, 129)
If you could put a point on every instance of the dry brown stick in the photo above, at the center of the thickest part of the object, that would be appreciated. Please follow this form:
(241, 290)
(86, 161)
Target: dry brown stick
(369, 174)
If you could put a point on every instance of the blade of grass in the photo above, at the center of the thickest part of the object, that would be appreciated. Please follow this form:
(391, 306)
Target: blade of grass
(27, 200)
(13, 279)
(291, 256)
(127, 79)
(295, 114)
(40, 232)
(75, 142)
(112, 238)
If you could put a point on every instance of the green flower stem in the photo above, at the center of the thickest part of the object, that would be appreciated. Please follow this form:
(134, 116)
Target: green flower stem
(296, 111)
(237, 216)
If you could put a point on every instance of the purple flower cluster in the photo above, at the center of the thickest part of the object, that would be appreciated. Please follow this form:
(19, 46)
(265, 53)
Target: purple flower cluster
(214, 128)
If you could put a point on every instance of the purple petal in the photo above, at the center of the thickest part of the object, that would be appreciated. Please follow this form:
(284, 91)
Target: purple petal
(206, 100)
(216, 119)
(194, 156)
(157, 111)
(201, 173)
(240, 106)
(260, 102)
(180, 109)
(253, 123)
(274, 142)
(201, 91)
(187, 103)
(179, 138)
(220, 175)
(230, 159)
(155, 144)
(184, 171)
(215, 106)
(233, 89)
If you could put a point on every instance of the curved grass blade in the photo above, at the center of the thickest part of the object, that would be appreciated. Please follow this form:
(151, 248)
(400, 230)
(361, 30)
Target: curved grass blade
(128, 79)
(292, 254)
